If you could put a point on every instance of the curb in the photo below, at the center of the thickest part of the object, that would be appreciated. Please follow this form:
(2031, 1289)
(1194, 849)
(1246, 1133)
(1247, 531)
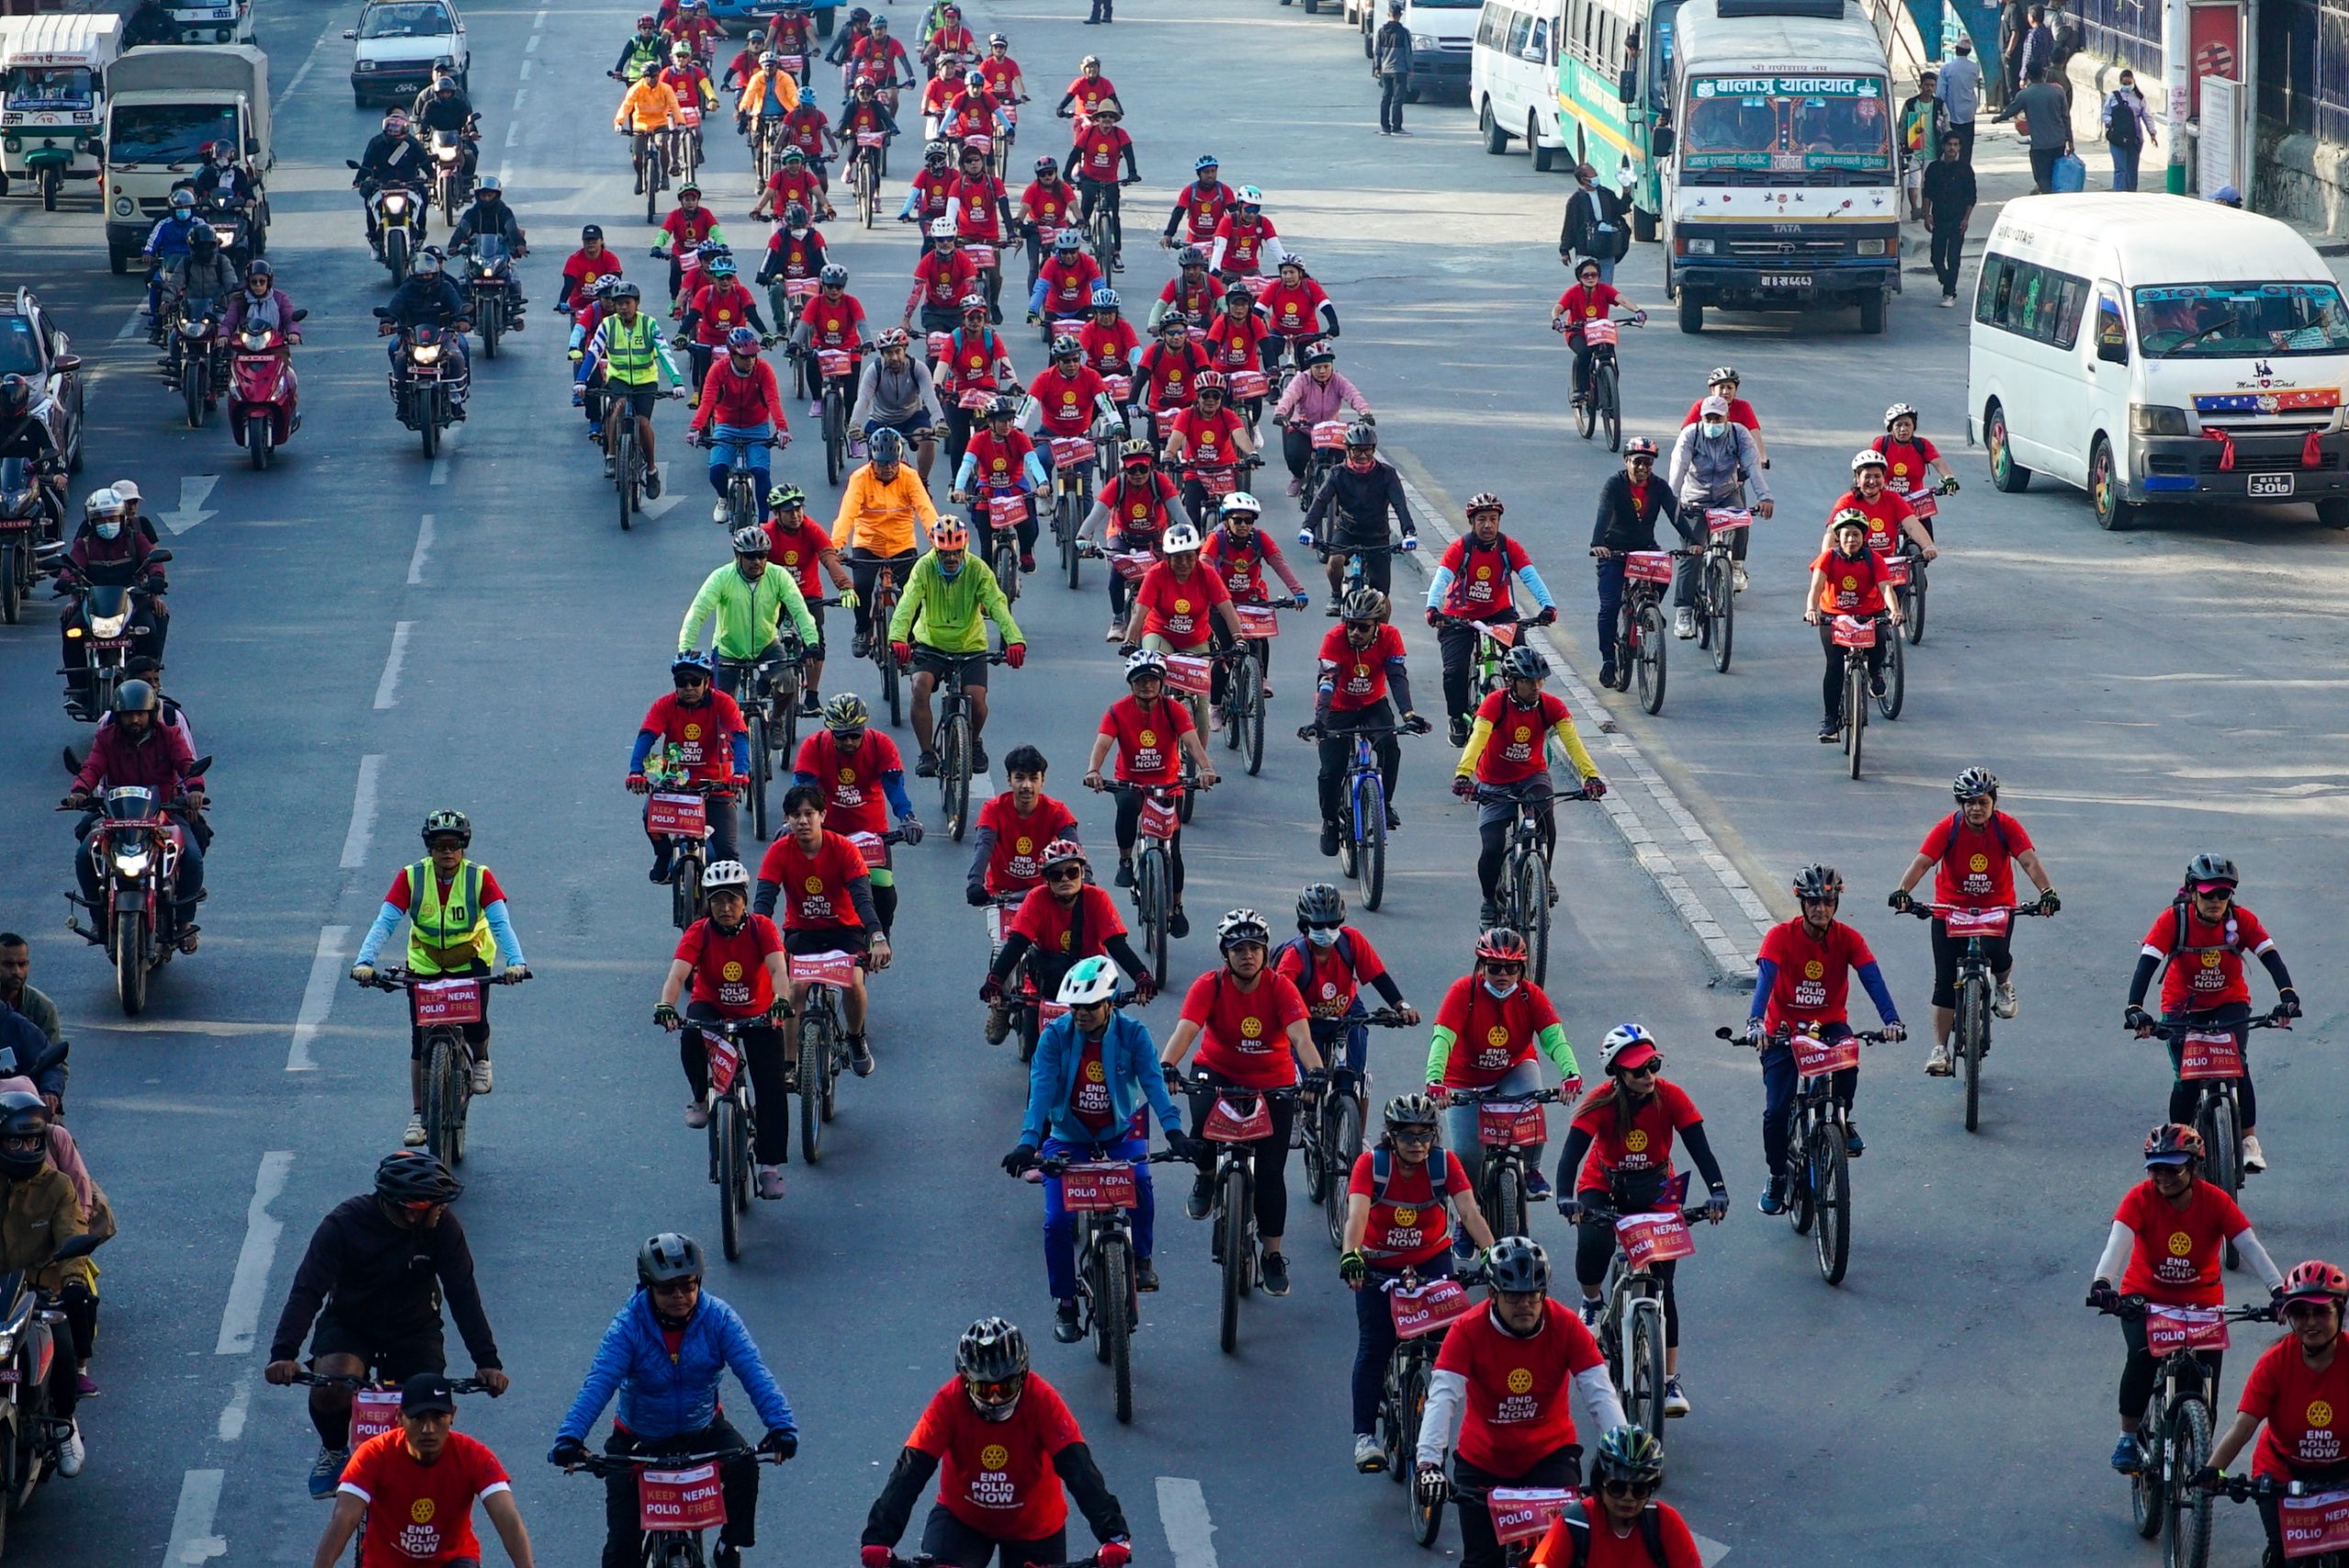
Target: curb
(1726, 918)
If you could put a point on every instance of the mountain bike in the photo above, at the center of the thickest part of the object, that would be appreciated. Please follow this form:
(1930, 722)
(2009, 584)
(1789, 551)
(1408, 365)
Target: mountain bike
(1239, 1118)
(2211, 1053)
(441, 1006)
(1361, 834)
(678, 1496)
(836, 370)
(1630, 1331)
(955, 743)
(1160, 822)
(1602, 404)
(1819, 1196)
(768, 696)
(2310, 1512)
(1526, 892)
(1856, 636)
(1073, 459)
(1923, 501)
(677, 809)
(1421, 1311)
(733, 1121)
(2174, 1439)
(1494, 640)
(1242, 668)
(1970, 1040)
(1715, 600)
(865, 173)
(742, 498)
(823, 1045)
(1100, 1191)
(655, 150)
(884, 610)
(998, 530)
(1508, 1123)
(628, 467)
(1332, 1138)
(1640, 647)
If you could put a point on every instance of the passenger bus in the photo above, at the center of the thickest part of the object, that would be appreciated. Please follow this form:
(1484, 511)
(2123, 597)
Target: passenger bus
(1614, 75)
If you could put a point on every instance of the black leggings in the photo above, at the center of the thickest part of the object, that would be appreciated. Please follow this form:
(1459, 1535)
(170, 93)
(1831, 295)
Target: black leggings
(1267, 1155)
(863, 570)
(1594, 1249)
(1338, 753)
(2187, 1093)
(763, 1053)
(1092, 191)
(2137, 1373)
(956, 1545)
(1830, 687)
(1998, 949)
(1493, 827)
(1129, 830)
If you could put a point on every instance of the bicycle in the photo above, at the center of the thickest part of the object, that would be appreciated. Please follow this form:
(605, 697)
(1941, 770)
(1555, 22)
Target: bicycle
(1100, 1191)
(677, 808)
(1911, 594)
(1819, 1185)
(823, 1050)
(1494, 639)
(441, 1006)
(2174, 1439)
(1970, 1040)
(1527, 893)
(742, 498)
(956, 743)
(1332, 1140)
(1630, 1330)
(999, 525)
(652, 147)
(2211, 1053)
(884, 610)
(865, 173)
(1421, 1312)
(1362, 837)
(2309, 1512)
(1072, 459)
(1328, 439)
(1521, 1515)
(676, 1501)
(769, 703)
(1856, 636)
(1355, 577)
(733, 1121)
(1244, 699)
(1509, 1122)
(1239, 1116)
(1602, 404)
(1640, 649)
(1160, 821)
(1714, 602)
(836, 370)
(628, 467)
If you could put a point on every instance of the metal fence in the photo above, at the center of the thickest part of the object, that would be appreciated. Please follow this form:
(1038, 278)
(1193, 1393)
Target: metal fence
(2129, 31)
(2304, 66)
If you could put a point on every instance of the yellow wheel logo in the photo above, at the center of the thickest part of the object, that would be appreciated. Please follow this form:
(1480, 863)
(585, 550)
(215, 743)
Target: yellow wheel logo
(2319, 1413)
(848, 775)
(1025, 845)
(1523, 734)
(693, 731)
(1182, 607)
(1095, 1074)
(1149, 738)
(1851, 583)
(1520, 1381)
(995, 1456)
(1636, 1142)
(1814, 970)
(1406, 1218)
(2180, 1244)
(421, 1510)
(1484, 572)
(831, 323)
(814, 884)
(732, 970)
(1978, 863)
(1497, 1036)
(2210, 960)
(1252, 1028)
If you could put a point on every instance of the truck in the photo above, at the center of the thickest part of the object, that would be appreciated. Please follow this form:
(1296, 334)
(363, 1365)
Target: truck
(52, 98)
(164, 105)
(1781, 184)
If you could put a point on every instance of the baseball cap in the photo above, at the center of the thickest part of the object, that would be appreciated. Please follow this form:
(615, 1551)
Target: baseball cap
(593, 231)
(427, 1392)
(1713, 406)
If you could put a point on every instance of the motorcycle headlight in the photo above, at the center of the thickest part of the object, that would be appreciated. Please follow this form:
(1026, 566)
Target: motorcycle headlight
(192, 328)
(132, 862)
(109, 625)
(425, 353)
(256, 341)
(394, 202)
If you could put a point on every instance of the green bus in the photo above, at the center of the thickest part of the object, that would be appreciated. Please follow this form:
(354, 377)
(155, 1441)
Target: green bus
(1614, 85)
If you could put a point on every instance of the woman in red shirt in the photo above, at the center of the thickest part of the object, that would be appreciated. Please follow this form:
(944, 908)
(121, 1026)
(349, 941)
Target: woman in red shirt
(2300, 1389)
(1249, 1023)
(734, 960)
(1150, 732)
(1586, 301)
(1618, 1160)
(1616, 1523)
(2169, 1230)
(1848, 579)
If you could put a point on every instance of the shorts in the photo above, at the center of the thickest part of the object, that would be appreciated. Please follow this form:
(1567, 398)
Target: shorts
(937, 662)
(806, 939)
(393, 1356)
(639, 403)
(913, 427)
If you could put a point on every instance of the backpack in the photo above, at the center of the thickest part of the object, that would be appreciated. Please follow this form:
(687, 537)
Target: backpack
(1381, 1171)
(2231, 941)
(1577, 1522)
(1957, 821)
(1346, 943)
(2120, 122)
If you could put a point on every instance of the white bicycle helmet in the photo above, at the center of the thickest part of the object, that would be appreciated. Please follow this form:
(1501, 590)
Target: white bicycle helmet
(1092, 980)
(1621, 1040)
(941, 229)
(1147, 661)
(1868, 457)
(1180, 537)
(1241, 926)
(723, 874)
(1248, 196)
(1240, 501)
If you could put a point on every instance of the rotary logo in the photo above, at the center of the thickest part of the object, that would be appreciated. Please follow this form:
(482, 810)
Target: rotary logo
(831, 323)
(1025, 845)
(848, 775)
(1978, 863)
(1484, 572)
(2180, 1243)
(1520, 1381)
(1252, 1028)
(995, 1456)
(422, 1509)
(1524, 734)
(1813, 970)
(1095, 1074)
(693, 731)
(2210, 960)
(1851, 583)
(1497, 1036)
(1635, 1141)
(1068, 399)
(814, 884)
(2319, 1413)
(1182, 607)
(1407, 1218)
(731, 970)
(1148, 738)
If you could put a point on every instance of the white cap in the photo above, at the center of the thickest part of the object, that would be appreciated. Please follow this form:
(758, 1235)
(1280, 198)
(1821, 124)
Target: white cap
(1712, 408)
(126, 490)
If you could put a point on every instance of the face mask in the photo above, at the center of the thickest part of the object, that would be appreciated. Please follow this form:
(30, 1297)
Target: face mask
(1501, 991)
(110, 529)
(1321, 937)
(1716, 427)
(950, 572)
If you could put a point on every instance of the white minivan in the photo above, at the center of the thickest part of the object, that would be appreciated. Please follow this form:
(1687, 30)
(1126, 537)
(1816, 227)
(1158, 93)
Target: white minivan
(2154, 349)
(1513, 76)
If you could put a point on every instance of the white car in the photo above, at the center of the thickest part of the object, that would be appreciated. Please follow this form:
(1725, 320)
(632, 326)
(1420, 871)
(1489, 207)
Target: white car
(398, 44)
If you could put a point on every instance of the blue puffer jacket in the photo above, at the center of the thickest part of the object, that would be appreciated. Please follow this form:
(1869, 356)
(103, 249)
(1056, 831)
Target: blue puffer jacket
(664, 1398)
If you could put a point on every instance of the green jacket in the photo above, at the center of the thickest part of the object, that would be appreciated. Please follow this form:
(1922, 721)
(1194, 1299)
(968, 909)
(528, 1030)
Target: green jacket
(951, 615)
(749, 615)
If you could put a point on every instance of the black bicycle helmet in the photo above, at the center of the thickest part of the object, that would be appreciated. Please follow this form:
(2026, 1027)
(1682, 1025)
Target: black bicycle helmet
(23, 1116)
(668, 1256)
(441, 824)
(1518, 1265)
(887, 446)
(1974, 783)
(1363, 605)
(1190, 256)
(833, 276)
(1818, 882)
(1524, 664)
(1631, 1453)
(1321, 904)
(408, 1176)
(992, 1350)
(2212, 868)
(2172, 1144)
(1361, 433)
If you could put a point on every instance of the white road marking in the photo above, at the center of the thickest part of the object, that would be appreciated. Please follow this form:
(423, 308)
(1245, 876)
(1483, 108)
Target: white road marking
(308, 63)
(513, 131)
(423, 548)
(1710, 1551)
(192, 1542)
(133, 326)
(195, 489)
(1182, 1512)
(439, 471)
(982, 787)
(524, 74)
(668, 499)
(506, 171)
(241, 1320)
(387, 687)
(519, 94)
(362, 812)
(532, 47)
(232, 1416)
(317, 998)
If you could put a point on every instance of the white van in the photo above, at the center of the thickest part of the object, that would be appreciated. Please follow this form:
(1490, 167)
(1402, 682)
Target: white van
(1513, 76)
(2154, 349)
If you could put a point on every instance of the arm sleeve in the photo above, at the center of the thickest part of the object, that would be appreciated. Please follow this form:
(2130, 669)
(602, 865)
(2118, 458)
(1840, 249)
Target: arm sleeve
(1438, 586)
(1084, 1478)
(764, 897)
(886, 1524)
(741, 754)
(893, 785)
(2115, 1257)
(1598, 1393)
(1015, 948)
(1570, 1158)
(1439, 1052)
(387, 921)
(1535, 586)
(860, 894)
(1571, 739)
(982, 848)
(1399, 679)
(501, 932)
(2247, 1243)
(2272, 961)
(1560, 1051)
(1700, 1150)
(1872, 977)
(1121, 948)
(1447, 1399)
(1479, 734)
(2146, 966)
(1278, 562)
(1766, 978)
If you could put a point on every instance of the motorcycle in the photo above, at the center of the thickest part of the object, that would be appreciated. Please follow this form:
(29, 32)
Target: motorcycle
(137, 848)
(452, 183)
(232, 220)
(197, 361)
(425, 379)
(31, 534)
(108, 619)
(489, 282)
(398, 216)
(261, 414)
(33, 1333)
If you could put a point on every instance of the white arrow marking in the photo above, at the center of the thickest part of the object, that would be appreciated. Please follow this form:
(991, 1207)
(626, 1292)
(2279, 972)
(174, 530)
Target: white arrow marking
(669, 497)
(195, 489)
(1711, 1551)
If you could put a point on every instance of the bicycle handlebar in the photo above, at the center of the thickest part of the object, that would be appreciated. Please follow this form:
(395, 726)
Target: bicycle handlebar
(1553, 1096)
(622, 1464)
(1057, 1165)
(2262, 1021)
(397, 979)
(353, 1380)
(1781, 1035)
(1926, 911)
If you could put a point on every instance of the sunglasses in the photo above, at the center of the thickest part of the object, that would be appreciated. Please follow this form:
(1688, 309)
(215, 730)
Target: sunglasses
(996, 1391)
(1504, 971)
(1065, 873)
(2303, 1311)
(1642, 462)
(1645, 1069)
(685, 1286)
(1615, 1486)
(689, 682)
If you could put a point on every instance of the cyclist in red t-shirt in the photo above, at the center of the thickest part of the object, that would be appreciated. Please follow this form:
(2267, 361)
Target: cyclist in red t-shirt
(1977, 847)
(1013, 830)
(1130, 513)
(1363, 684)
(1330, 962)
(1149, 730)
(1891, 520)
(700, 734)
(1003, 1445)
(863, 779)
(1848, 580)
(1723, 384)
(413, 1490)
(1586, 301)
(2299, 1389)
(1616, 1523)
(734, 960)
(1506, 757)
(1064, 920)
(827, 908)
(2198, 943)
(1911, 458)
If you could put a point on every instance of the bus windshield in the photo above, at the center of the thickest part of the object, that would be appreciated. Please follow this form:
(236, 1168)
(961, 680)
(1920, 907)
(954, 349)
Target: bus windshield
(2234, 321)
(1785, 124)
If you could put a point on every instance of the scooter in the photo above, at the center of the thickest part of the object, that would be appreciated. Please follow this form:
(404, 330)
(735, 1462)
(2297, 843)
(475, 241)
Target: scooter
(262, 413)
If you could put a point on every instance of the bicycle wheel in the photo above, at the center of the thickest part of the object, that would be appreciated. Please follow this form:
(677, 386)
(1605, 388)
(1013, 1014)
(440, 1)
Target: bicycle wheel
(726, 1131)
(1609, 396)
(1648, 667)
(1231, 1246)
(1370, 811)
(892, 685)
(1973, 1036)
(2146, 1510)
(1802, 1181)
(835, 434)
(762, 770)
(1912, 611)
(1644, 1401)
(1350, 835)
(1006, 566)
(1508, 1208)
(1530, 890)
(684, 889)
(1896, 678)
(1113, 1322)
(1065, 522)
(623, 467)
(2222, 1158)
(1341, 1143)
(444, 1099)
(1251, 744)
(954, 776)
(2185, 1518)
(1154, 901)
(815, 1061)
(1833, 1177)
(1427, 1521)
(1721, 610)
(1586, 411)
(1856, 710)
(1626, 644)
(1231, 716)
(1310, 1143)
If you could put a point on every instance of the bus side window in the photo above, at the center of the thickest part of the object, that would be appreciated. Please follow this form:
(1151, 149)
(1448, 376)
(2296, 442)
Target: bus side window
(2111, 331)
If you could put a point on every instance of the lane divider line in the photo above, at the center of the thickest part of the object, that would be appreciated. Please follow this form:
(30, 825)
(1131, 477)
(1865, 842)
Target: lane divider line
(1183, 1514)
(317, 998)
(387, 687)
(423, 548)
(192, 1542)
(362, 812)
(241, 1320)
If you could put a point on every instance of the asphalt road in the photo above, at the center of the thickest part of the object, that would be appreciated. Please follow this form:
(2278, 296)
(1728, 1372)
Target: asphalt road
(2145, 697)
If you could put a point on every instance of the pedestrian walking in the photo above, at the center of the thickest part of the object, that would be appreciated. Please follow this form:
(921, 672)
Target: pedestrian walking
(2128, 127)
(1598, 224)
(1961, 93)
(2038, 49)
(1390, 62)
(2041, 109)
(1949, 206)
(1923, 118)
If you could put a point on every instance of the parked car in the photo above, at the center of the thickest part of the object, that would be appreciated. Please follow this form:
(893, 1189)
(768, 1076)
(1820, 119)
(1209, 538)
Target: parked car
(34, 346)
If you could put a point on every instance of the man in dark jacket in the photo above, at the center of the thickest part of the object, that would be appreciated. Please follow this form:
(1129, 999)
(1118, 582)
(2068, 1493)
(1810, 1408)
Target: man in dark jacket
(1351, 513)
(1390, 62)
(1628, 504)
(1597, 224)
(377, 1268)
(1948, 194)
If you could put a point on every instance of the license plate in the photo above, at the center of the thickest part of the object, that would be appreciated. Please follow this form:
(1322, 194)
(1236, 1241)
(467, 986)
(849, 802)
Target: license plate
(2273, 483)
(1785, 280)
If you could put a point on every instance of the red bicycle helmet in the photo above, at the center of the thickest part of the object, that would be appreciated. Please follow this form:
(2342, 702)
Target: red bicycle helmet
(1210, 381)
(1502, 944)
(2317, 1280)
(2172, 1144)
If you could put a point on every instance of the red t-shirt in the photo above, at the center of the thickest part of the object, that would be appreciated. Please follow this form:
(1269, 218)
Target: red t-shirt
(703, 737)
(1243, 1034)
(1358, 673)
(2306, 1411)
(980, 217)
(853, 801)
(1242, 569)
(1242, 242)
(1089, 1102)
(1480, 577)
(833, 324)
(1234, 344)
(1514, 751)
(1646, 1149)
(998, 1476)
(730, 972)
(800, 551)
(1137, 512)
(1294, 312)
(684, 230)
(803, 128)
(1740, 412)
(2205, 969)
(1886, 515)
(2176, 1258)
(1905, 462)
(1323, 977)
(943, 283)
(1606, 1550)
(1012, 864)
(999, 464)
(583, 269)
(1090, 92)
(1406, 1227)
(1814, 976)
(970, 360)
(1976, 868)
(1208, 443)
(815, 887)
(421, 1513)
(1519, 1411)
(1101, 153)
(490, 892)
(1168, 375)
(1203, 205)
(1109, 351)
(1489, 1034)
(933, 187)
(1851, 587)
(1194, 300)
(1069, 284)
(1579, 305)
(787, 185)
(1064, 403)
(1047, 922)
(1180, 610)
(800, 258)
(1052, 206)
(1149, 745)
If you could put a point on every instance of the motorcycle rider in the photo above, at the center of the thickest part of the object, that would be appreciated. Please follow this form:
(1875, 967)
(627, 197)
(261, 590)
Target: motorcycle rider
(428, 299)
(490, 214)
(109, 551)
(136, 751)
(40, 1212)
(392, 158)
(225, 178)
(166, 242)
(200, 273)
(441, 107)
(1712, 463)
(261, 303)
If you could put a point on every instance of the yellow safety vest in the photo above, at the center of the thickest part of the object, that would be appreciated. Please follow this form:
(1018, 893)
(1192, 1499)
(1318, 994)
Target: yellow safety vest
(446, 935)
(627, 357)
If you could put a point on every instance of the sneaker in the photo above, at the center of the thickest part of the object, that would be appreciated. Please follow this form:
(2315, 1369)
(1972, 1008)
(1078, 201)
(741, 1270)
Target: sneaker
(1461, 725)
(1875, 685)
(1201, 1202)
(480, 1078)
(1369, 1458)
(697, 1115)
(1394, 819)
(978, 757)
(1938, 1064)
(662, 864)
(770, 1181)
(815, 410)
(1329, 837)
(2255, 1159)
(85, 1387)
(2006, 1003)
(720, 512)
(652, 473)
(607, 464)
(1683, 623)
(2126, 1455)
(1773, 1197)
(1117, 632)
(861, 645)
(1606, 678)
(860, 1055)
(70, 1451)
(1738, 573)
(1275, 1273)
(1948, 300)
(999, 1023)
(1676, 1398)
(1830, 730)
(1488, 914)
(1027, 561)
(1537, 1187)
(1854, 1144)
(1125, 877)
(413, 1137)
(326, 1472)
(1146, 1274)
(1593, 1309)
(1331, 611)
(1179, 924)
(926, 766)
(1066, 1326)
(1295, 488)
